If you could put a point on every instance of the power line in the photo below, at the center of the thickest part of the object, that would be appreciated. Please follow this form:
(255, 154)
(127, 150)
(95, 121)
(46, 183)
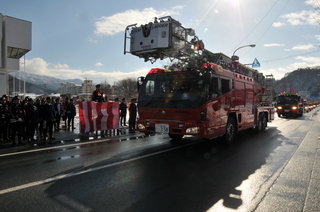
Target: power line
(283, 58)
(273, 22)
(256, 25)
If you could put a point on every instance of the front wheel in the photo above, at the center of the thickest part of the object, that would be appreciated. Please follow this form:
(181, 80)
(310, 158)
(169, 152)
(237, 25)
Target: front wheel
(230, 131)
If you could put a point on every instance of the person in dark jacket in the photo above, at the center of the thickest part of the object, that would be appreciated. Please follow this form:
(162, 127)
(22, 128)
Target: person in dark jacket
(58, 111)
(97, 95)
(16, 120)
(71, 113)
(48, 117)
(6, 127)
(123, 112)
(31, 120)
(132, 115)
(4, 120)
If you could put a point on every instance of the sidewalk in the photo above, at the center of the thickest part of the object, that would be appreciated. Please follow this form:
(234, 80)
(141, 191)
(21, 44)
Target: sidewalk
(297, 188)
(64, 136)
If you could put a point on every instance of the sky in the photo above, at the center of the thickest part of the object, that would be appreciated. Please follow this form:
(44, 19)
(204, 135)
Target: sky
(85, 38)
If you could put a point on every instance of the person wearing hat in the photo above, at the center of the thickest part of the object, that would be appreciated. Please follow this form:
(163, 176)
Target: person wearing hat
(48, 116)
(123, 112)
(16, 120)
(132, 115)
(31, 120)
(97, 95)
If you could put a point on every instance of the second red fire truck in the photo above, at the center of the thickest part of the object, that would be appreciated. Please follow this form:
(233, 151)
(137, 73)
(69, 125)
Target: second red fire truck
(205, 94)
(289, 104)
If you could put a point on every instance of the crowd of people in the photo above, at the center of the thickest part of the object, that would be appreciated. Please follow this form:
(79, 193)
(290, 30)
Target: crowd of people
(28, 118)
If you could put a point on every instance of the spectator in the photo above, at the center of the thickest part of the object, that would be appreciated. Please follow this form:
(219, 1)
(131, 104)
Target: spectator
(40, 108)
(7, 128)
(58, 111)
(97, 95)
(31, 120)
(71, 113)
(123, 112)
(132, 115)
(64, 111)
(16, 121)
(48, 116)
(4, 120)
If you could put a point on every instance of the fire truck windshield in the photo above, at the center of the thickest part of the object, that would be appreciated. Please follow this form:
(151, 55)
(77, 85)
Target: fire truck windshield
(288, 99)
(172, 90)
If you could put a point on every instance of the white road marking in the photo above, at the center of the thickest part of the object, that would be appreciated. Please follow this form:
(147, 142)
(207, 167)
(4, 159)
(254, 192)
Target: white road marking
(49, 148)
(49, 180)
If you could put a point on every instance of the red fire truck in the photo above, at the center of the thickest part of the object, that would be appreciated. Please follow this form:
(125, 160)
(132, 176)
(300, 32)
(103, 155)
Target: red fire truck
(289, 104)
(205, 94)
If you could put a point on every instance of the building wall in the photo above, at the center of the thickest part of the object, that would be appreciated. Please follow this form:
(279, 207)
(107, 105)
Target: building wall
(17, 34)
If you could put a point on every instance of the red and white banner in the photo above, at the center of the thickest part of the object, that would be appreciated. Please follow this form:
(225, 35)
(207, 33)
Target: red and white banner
(95, 116)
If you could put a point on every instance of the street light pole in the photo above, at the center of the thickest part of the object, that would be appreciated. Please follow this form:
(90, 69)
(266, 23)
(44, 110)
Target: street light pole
(251, 45)
(24, 83)
(235, 58)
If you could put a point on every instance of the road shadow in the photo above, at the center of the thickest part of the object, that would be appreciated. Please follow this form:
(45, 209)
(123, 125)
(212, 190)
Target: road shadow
(192, 178)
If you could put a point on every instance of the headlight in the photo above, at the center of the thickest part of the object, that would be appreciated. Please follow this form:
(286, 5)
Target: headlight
(294, 108)
(141, 127)
(279, 107)
(193, 130)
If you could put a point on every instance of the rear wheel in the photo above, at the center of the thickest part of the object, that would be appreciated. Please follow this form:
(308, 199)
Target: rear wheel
(175, 136)
(230, 131)
(262, 123)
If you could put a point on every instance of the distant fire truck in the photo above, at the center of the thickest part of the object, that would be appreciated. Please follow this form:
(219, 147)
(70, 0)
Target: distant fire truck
(204, 94)
(290, 104)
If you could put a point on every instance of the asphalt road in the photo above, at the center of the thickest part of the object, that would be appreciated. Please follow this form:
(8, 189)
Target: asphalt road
(153, 173)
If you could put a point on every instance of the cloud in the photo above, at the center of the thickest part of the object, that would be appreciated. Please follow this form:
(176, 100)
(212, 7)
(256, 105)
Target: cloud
(273, 44)
(61, 66)
(278, 24)
(313, 61)
(317, 36)
(40, 66)
(303, 47)
(116, 23)
(98, 64)
(302, 18)
(301, 62)
(312, 2)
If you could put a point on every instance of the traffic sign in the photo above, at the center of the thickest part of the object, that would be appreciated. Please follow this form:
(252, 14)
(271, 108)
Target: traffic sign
(255, 63)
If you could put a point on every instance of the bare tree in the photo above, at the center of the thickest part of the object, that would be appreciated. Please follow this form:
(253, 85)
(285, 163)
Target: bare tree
(126, 88)
(106, 89)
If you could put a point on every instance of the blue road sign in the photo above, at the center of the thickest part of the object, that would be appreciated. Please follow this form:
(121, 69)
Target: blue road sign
(255, 63)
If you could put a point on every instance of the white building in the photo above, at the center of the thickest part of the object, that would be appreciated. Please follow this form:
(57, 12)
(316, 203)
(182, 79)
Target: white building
(15, 42)
(70, 88)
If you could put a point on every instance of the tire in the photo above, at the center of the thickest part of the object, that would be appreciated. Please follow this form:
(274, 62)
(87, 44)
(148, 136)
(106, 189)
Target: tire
(230, 131)
(175, 136)
(262, 123)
